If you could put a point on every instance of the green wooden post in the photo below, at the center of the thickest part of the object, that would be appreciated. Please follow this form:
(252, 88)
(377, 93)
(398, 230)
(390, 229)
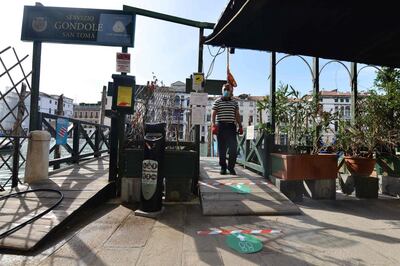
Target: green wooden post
(34, 109)
(269, 139)
(354, 92)
(316, 92)
(272, 91)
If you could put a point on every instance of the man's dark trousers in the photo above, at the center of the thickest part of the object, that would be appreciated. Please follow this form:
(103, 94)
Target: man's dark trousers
(227, 141)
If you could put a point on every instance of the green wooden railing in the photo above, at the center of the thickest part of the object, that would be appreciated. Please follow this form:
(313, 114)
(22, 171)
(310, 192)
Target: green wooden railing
(252, 153)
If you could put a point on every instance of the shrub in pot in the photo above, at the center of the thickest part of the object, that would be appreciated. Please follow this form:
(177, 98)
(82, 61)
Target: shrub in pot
(298, 119)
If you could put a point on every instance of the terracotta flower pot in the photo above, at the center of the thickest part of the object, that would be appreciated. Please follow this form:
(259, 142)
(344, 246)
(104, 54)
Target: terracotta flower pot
(304, 166)
(359, 166)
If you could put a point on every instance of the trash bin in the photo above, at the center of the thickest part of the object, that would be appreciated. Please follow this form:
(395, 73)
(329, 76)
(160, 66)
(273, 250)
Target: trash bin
(153, 168)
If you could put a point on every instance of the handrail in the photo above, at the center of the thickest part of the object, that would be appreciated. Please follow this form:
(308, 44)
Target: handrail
(252, 153)
(77, 152)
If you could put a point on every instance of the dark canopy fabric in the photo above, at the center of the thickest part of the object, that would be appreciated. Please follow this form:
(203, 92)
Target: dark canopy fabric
(362, 31)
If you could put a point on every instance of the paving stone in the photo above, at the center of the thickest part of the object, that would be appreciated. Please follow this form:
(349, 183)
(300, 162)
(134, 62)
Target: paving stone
(114, 257)
(163, 248)
(132, 233)
(201, 258)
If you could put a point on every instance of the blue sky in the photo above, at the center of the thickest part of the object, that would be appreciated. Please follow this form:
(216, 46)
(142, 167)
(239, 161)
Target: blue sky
(168, 50)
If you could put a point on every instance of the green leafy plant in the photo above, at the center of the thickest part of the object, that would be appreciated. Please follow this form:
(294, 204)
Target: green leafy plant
(301, 119)
(377, 124)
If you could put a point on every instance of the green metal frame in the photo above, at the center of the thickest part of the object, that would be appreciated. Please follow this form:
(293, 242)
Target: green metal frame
(156, 15)
(253, 152)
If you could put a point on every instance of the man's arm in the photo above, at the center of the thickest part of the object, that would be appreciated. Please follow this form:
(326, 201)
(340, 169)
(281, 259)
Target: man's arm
(238, 118)
(213, 116)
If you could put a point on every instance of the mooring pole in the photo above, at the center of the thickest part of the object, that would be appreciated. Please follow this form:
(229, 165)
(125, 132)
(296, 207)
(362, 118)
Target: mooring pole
(60, 112)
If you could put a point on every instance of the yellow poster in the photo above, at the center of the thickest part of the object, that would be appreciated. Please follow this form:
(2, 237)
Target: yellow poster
(124, 96)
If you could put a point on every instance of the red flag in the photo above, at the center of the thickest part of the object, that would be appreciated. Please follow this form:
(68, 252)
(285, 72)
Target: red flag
(231, 79)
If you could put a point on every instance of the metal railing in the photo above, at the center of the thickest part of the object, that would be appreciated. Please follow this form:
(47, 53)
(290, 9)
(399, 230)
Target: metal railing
(94, 143)
(14, 94)
(253, 153)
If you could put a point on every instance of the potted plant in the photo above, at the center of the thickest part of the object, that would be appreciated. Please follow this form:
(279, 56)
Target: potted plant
(373, 136)
(301, 126)
(386, 100)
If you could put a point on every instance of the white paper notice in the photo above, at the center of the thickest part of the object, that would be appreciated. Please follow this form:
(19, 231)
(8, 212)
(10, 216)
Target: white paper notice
(198, 115)
(250, 132)
(197, 98)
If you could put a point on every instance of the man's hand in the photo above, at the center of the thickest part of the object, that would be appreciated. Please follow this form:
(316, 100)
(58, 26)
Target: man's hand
(240, 131)
(214, 129)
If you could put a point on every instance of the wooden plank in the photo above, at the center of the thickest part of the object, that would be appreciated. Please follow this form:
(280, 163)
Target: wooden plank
(67, 194)
(256, 196)
(78, 184)
(217, 199)
(248, 207)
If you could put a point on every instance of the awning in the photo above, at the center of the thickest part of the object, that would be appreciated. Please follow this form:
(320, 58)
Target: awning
(362, 31)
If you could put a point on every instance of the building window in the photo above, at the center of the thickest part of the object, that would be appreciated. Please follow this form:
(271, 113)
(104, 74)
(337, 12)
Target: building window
(241, 103)
(347, 111)
(251, 103)
(347, 100)
(55, 102)
(341, 100)
(97, 114)
(336, 100)
(208, 118)
(241, 119)
(80, 114)
(202, 129)
(250, 120)
(50, 101)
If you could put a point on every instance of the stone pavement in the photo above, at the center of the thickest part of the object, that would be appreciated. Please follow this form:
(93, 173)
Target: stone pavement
(347, 231)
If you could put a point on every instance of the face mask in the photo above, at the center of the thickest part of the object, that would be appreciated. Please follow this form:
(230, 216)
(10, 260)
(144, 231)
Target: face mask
(226, 94)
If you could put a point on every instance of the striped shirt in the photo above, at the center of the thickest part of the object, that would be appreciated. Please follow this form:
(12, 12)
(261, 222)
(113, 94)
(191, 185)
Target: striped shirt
(226, 110)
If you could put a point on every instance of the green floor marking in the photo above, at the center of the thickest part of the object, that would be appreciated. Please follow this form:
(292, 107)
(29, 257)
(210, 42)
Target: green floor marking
(244, 243)
(243, 189)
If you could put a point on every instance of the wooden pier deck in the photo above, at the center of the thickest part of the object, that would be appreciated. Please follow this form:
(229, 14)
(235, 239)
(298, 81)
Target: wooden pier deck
(219, 196)
(79, 184)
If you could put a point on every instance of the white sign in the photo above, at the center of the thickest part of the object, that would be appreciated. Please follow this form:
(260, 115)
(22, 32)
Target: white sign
(198, 98)
(124, 62)
(197, 82)
(250, 132)
(198, 115)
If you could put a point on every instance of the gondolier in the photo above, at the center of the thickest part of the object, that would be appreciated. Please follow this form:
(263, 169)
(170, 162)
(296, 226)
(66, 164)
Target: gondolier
(225, 117)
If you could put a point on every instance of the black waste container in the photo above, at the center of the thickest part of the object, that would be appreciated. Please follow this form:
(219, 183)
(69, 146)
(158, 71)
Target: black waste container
(153, 167)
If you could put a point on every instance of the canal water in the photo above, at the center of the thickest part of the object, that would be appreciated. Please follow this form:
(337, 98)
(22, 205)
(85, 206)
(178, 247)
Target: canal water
(5, 172)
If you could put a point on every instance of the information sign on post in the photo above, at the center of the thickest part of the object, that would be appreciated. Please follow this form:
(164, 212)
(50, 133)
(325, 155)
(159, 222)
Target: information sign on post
(198, 82)
(197, 98)
(123, 62)
(78, 25)
(198, 115)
